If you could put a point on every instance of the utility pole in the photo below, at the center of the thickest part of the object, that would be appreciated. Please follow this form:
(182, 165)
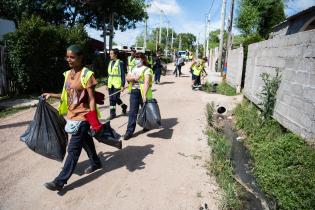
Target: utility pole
(205, 40)
(166, 45)
(172, 42)
(221, 37)
(160, 35)
(111, 35)
(104, 34)
(229, 41)
(197, 48)
(180, 43)
(208, 30)
(156, 40)
(145, 34)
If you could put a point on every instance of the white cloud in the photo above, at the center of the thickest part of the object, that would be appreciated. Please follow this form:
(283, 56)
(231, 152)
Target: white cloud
(170, 7)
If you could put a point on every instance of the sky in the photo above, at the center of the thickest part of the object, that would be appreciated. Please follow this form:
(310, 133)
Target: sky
(188, 16)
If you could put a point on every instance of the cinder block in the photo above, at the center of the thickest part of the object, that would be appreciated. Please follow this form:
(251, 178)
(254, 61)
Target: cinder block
(309, 93)
(309, 51)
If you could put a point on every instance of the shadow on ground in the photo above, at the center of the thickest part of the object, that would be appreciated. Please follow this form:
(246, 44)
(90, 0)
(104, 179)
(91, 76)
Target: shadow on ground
(130, 157)
(15, 124)
(166, 132)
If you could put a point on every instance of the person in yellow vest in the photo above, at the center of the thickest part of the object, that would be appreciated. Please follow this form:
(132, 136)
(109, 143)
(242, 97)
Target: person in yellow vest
(131, 59)
(79, 83)
(140, 86)
(150, 60)
(197, 68)
(116, 82)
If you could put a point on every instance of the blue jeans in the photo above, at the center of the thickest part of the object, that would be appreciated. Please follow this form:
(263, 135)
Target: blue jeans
(135, 102)
(157, 72)
(77, 141)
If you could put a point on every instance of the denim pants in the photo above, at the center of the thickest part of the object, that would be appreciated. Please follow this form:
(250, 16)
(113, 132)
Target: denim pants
(178, 69)
(135, 102)
(77, 141)
(157, 76)
(114, 99)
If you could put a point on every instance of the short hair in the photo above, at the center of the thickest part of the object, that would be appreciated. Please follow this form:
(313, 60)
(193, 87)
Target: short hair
(115, 51)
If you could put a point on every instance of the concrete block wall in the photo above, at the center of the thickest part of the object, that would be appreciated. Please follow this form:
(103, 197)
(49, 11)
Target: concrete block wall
(294, 55)
(235, 68)
(213, 57)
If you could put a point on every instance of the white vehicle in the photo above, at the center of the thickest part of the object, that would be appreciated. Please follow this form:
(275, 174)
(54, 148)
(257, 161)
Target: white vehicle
(140, 49)
(121, 47)
(183, 54)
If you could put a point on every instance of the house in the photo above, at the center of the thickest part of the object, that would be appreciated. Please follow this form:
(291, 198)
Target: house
(302, 21)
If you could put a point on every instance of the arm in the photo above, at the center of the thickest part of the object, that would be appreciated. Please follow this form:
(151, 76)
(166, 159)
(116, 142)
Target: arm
(92, 103)
(53, 95)
(146, 87)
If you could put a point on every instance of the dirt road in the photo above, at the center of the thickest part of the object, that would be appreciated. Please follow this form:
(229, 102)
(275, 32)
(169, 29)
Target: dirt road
(161, 169)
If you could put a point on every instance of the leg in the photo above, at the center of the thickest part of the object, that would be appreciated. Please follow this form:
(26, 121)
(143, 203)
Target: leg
(119, 102)
(112, 102)
(89, 147)
(179, 70)
(74, 151)
(135, 101)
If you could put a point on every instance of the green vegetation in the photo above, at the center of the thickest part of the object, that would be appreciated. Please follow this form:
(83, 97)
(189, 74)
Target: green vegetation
(10, 111)
(283, 163)
(221, 165)
(269, 92)
(223, 88)
(226, 89)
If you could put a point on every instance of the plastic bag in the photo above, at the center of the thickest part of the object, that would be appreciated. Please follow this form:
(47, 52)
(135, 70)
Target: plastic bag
(107, 135)
(149, 117)
(46, 134)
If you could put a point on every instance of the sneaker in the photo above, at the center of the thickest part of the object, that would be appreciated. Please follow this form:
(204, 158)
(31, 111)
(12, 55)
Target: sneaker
(124, 108)
(127, 136)
(53, 186)
(91, 169)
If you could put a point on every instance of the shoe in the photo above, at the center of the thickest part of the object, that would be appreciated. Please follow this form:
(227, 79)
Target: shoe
(112, 116)
(91, 169)
(53, 186)
(127, 136)
(124, 108)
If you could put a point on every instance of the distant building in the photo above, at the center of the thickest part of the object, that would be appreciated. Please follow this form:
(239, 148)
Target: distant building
(6, 26)
(302, 21)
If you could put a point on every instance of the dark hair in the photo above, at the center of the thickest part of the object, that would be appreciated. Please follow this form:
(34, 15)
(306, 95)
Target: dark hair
(142, 57)
(75, 48)
(115, 51)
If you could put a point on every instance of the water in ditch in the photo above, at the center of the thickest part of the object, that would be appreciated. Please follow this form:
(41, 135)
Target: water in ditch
(254, 198)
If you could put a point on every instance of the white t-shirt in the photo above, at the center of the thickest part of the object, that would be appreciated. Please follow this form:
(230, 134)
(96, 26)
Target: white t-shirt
(137, 71)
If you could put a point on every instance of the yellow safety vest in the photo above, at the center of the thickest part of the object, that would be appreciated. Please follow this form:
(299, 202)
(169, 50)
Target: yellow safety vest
(150, 60)
(85, 76)
(114, 75)
(141, 83)
(197, 69)
(131, 62)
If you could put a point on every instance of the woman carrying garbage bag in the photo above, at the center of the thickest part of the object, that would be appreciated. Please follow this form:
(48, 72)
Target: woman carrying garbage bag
(140, 86)
(78, 102)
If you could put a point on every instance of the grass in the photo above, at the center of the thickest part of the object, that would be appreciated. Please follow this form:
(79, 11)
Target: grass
(223, 89)
(10, 111)
(284, 164)
(221, 165)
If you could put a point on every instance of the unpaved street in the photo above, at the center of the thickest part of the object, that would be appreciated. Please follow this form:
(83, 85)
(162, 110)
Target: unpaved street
(161, 169)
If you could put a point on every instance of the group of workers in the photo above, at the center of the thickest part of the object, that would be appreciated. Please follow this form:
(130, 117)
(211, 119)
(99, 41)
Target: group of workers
(78, 101)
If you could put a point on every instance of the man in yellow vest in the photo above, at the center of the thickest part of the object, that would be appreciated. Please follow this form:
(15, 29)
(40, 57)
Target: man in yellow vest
(197, 68)
(131, 59)
(116, 82)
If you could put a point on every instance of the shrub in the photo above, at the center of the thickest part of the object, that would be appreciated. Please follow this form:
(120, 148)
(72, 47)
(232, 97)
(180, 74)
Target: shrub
(36, 54)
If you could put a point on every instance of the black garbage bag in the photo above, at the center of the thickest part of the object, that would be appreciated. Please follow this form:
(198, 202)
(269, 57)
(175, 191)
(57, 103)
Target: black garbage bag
(108, 136)
(46, 134)
(149, 116)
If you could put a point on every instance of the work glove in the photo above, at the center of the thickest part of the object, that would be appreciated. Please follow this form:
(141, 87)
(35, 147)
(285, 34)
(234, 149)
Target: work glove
(92, 119)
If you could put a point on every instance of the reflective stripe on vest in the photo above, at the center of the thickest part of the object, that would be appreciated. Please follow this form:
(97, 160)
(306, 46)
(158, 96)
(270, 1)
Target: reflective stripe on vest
(114, 74)
(84, 77)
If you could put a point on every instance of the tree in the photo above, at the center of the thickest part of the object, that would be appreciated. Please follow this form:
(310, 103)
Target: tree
(255, 16)
(214, 38)
(188, 41)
